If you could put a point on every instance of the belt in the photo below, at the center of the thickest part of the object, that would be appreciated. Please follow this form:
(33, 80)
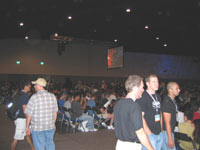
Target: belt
(137, 142)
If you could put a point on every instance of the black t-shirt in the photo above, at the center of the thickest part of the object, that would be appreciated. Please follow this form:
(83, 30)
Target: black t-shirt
(169, 106)
(127, 120)
(150, 110)
(23, 100)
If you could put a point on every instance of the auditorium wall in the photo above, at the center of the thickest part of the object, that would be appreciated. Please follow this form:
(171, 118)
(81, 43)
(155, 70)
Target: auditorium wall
(83, 58)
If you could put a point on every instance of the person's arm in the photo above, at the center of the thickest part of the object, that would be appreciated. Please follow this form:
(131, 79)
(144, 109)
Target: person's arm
(28, 120)
(145, 126)
(55, 117)
(144, 139)
(24, 107)
(161, 121)
(167, 119)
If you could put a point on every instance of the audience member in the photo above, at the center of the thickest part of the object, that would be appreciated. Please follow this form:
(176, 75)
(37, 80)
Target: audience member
(41, 112)
(20, 122)
(187, 128)
(151, 112)
(169, 109)
(128, 131)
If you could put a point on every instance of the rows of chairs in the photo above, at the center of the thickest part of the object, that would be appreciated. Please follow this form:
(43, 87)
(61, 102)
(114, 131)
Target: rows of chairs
(67, 124)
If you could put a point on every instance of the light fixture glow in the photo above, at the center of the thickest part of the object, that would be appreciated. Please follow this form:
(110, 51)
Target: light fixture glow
(69, 17)
(146, 27)
(21, 24)
(128, 10)
(41, 63)
(18, 62)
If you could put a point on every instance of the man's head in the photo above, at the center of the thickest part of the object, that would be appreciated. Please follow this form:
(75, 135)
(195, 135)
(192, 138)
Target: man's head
(39, 84)
(173, 89)
(26, 86)
(76, 96)
(188, 115)
(93, 97)
(152, 82)
(134, 84)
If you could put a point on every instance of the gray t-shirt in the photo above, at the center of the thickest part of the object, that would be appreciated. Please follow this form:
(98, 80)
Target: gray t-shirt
(76, 109)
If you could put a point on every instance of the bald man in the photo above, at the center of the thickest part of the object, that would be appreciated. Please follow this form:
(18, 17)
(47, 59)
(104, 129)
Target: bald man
(169, 109)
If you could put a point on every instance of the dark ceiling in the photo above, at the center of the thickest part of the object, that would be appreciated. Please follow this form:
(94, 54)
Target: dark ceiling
(175, 22)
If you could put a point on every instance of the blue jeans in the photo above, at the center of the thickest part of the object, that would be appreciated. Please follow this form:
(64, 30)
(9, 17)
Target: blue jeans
(156, 141)
(43, 140)
(165, 142)
(90, 123)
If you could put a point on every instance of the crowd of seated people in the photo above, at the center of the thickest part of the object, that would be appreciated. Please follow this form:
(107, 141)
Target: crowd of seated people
(102, 96)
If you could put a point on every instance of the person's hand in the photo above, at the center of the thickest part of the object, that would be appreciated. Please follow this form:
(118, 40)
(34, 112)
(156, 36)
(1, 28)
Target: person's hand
(28, 132)
(170, 143)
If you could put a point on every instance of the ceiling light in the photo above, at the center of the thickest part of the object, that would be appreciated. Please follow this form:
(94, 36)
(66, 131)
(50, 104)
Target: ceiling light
(56, 34)
(157, 38)
(128, 10)
(69, 17)
(26, 37)
(165, 45)
(21, 24)
(146, 27)
(115, 40)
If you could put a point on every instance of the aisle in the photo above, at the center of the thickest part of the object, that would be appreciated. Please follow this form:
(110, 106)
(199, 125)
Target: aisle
(100, 140)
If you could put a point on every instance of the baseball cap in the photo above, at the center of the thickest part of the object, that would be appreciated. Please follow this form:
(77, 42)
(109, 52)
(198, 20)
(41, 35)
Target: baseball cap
(40, 81)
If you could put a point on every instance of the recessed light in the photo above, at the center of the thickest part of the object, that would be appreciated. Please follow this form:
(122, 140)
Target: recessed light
(128, 10)
(21, 24)
(69, 17)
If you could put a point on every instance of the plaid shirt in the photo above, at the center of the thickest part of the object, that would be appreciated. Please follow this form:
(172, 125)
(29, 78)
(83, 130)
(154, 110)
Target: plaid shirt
(42, 107)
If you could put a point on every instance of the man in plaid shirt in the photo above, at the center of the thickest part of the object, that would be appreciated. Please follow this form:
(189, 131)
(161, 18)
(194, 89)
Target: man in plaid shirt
(41, 113)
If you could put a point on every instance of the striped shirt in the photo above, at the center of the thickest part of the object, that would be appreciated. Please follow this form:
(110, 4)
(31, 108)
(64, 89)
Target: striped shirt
(42, 107)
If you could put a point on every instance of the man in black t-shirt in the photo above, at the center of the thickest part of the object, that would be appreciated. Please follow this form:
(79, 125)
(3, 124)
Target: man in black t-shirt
(169, 109)
(151, 112)
(128, 118)
(20, 122)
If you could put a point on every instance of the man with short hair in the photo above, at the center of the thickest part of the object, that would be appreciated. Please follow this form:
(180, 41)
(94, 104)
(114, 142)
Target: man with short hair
(128, 118)
(20, 122)
(77, 113)
(151, 112)
(41, 112)
(169, 109)
(187, 128)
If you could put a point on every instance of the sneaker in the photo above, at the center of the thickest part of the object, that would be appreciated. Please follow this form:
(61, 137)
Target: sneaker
(110, 127)
(93, 130)
(83, 129)
(104, 124)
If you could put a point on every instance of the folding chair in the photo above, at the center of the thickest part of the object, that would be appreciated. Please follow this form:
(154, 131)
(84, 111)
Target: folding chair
(73, 123)
(62, 119)
(184, 137)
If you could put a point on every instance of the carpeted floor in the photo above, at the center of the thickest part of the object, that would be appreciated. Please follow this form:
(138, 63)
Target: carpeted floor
(101, 140)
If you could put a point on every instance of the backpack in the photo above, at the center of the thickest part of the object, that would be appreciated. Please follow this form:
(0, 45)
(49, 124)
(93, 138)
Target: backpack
(13, 108)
